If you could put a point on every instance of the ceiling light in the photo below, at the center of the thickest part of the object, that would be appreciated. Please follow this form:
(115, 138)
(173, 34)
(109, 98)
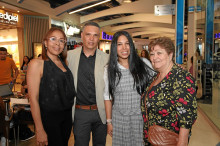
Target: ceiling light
(18, 11)
(90, 6)
(127, 1)
(3, 7)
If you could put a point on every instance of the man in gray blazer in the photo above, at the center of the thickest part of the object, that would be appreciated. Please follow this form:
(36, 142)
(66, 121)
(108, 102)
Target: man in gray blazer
(87, 66)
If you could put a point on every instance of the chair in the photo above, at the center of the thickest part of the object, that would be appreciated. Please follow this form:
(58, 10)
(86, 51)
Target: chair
(6, 121)
(24, 121)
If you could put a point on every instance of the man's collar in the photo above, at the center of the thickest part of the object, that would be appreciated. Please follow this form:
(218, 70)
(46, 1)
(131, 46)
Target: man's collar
(82, 52)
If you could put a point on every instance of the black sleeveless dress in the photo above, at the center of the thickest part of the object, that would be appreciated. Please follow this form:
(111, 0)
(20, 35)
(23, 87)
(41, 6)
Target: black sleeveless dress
(57, 89)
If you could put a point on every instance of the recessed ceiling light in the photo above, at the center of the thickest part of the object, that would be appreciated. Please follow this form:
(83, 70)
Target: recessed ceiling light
(18, 11)
(3, 7)
(127, 1)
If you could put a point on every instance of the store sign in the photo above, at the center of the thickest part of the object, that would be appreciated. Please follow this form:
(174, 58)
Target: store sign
(164, 9)
(191, 9)
(9, 18)
(198, 8)
(217, 36)
(106, 36)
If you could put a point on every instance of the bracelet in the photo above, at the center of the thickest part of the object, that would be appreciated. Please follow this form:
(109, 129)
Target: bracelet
(109, 121)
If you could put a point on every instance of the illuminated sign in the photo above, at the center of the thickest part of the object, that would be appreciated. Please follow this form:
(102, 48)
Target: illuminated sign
(8, 18)
(217, 36)
(191, 9)
(106, 36)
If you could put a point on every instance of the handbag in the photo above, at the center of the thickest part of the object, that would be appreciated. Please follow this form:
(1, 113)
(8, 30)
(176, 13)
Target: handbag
(160, 136)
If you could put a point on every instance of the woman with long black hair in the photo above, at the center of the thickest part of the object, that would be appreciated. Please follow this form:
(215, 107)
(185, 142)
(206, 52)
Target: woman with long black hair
(24, 66)
(126, 77)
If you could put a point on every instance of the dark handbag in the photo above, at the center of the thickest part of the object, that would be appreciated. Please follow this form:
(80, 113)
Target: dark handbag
(160, 136)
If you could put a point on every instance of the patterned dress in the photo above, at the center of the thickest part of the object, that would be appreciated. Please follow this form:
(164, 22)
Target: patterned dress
(171, 103)
(127, 119)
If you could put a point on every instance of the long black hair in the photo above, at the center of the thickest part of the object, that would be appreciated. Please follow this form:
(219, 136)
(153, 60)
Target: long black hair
(141, 72)
(25, 62)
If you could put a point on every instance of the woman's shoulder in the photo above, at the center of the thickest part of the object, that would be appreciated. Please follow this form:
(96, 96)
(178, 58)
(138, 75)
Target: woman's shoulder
(36, 62)
(180, 72)
(177, 68)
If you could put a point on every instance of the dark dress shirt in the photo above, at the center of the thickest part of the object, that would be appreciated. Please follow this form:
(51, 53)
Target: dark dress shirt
(86, 94)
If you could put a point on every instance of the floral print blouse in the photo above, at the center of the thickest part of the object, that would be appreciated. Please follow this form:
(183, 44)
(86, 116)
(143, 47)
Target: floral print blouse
(171, 103)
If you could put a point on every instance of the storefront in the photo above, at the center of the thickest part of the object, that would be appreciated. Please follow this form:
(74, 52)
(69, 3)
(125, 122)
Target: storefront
(10, 24)
(208, 59)
(105, 41)
(21, 32)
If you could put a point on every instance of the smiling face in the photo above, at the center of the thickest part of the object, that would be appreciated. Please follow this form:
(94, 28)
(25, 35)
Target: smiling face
(123, 48)
(90, 37)
(55, 43)
(160, 59)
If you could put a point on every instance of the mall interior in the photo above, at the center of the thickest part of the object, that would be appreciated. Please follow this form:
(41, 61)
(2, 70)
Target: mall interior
(193, 25)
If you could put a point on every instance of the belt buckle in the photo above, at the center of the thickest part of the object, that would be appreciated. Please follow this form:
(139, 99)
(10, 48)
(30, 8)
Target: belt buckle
(92, 107)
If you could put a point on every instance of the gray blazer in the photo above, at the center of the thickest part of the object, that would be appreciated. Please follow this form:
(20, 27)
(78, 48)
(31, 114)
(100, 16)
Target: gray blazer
(73, 58)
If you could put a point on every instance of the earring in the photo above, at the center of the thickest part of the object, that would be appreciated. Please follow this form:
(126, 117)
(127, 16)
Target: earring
(46, 48)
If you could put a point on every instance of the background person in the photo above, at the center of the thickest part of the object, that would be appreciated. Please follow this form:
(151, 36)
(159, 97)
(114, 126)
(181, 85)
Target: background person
(126, 77)
(171, 102)
(8, 69)
(51, 91)
(191, 67)
(145, 54)
(24, 66)
(87, 65)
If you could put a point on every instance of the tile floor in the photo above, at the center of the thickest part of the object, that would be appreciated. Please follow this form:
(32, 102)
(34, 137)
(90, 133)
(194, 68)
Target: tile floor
(204, 133)
(213, 110)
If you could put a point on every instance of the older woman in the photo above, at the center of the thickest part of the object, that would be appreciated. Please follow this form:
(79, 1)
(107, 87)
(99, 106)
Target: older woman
(171, 99)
